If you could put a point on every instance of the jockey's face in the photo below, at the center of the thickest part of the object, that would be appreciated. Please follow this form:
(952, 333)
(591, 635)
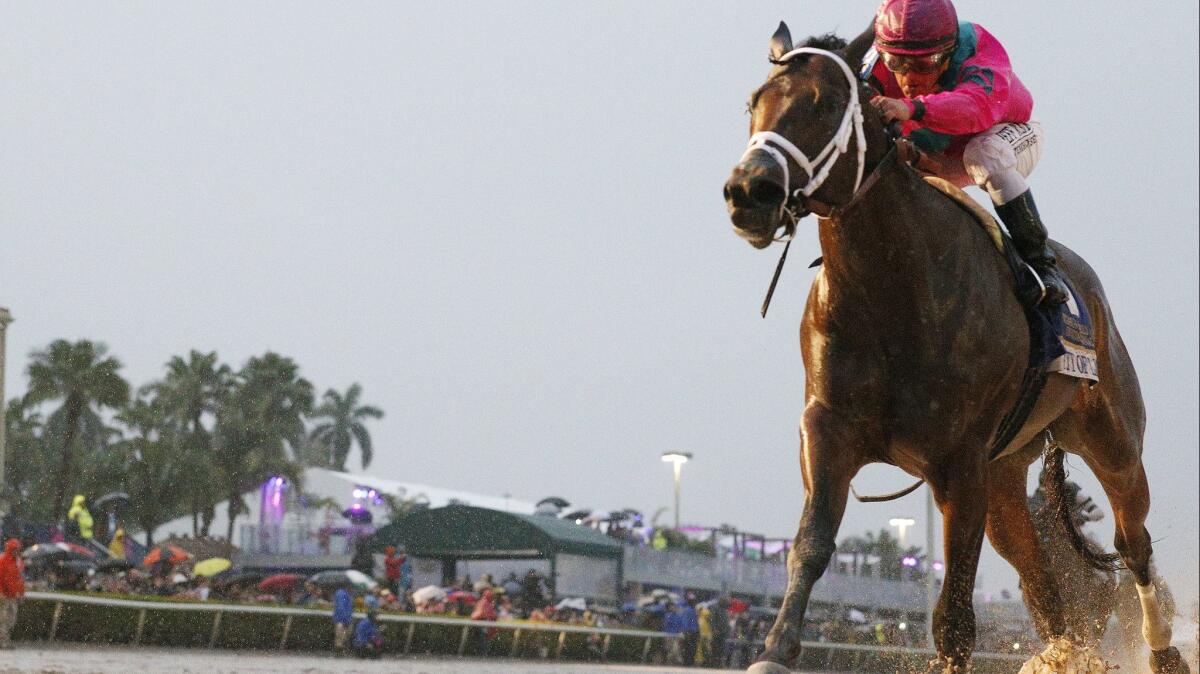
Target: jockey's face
(915, 83)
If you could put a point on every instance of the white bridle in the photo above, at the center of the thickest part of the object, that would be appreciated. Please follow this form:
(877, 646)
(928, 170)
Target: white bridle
(818, 168)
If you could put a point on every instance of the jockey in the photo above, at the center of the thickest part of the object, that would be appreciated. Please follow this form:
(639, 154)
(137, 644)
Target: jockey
(953, 89)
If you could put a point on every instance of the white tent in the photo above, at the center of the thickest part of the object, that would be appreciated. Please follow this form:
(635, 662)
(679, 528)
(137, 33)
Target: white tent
(346, 490)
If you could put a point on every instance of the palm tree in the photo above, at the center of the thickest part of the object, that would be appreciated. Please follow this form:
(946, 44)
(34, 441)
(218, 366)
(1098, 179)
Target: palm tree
(343, 425)
(191, 391)
(28, 491)
(86, 380)
(256, 423)
(154, 469)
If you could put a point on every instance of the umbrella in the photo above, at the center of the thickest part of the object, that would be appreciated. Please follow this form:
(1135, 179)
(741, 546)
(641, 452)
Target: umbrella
(212, 566)
(280, 582)
(229, 578)
(80, 549)
(463, 596)
(357, 514)
(598, 516)
(116, 499)
(356, 580)
(551, 505)
(114, 565)
(737, 606)
(657, 597)
(577, 514)
(170, 553)
(77, 567)
(575, 603)
(46, 553)
(429, 593)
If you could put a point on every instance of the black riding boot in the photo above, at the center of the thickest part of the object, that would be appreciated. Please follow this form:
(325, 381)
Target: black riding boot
(1021, 217)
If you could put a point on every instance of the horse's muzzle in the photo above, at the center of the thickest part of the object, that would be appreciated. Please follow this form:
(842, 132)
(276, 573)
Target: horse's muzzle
(754, 197)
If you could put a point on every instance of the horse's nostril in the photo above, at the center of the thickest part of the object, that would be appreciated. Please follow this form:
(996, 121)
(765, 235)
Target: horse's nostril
(765, 193)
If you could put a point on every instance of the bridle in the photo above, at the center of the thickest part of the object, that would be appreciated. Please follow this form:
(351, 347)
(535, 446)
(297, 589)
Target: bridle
(799, 202)
(795, 204)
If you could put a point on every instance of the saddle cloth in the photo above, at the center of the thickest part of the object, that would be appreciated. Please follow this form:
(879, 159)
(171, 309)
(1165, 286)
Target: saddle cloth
(1063, 339)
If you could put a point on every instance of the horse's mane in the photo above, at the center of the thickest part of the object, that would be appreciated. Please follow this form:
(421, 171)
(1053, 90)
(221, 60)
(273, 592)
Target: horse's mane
(828, 42)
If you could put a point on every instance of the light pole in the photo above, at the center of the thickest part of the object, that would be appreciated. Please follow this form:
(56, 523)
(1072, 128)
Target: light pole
(930, 595)
(5, 319)
(677, 459)
(902, 524)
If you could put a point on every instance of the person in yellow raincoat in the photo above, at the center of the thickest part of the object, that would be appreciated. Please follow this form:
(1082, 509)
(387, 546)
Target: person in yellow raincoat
(116, 547)
(704, 651)
(79, 514)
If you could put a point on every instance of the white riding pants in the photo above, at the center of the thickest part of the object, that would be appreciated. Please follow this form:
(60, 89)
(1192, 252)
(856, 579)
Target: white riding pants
(999, 159)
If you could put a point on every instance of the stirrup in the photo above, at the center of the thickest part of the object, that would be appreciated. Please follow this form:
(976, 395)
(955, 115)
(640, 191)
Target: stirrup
(1052, 294)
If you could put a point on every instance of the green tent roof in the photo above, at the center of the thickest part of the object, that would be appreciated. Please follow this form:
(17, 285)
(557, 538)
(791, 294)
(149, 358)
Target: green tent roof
(463, 531)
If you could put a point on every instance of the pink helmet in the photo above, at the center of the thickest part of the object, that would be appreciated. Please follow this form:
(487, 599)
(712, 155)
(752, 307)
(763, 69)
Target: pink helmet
(915, 27)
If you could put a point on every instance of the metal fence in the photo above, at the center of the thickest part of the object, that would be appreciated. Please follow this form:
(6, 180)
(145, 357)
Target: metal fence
(680, 568)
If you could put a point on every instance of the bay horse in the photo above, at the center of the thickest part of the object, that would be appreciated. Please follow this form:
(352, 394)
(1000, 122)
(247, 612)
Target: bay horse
(914, 347)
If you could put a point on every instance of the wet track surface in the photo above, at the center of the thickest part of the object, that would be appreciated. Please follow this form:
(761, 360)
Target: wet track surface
(37, 658)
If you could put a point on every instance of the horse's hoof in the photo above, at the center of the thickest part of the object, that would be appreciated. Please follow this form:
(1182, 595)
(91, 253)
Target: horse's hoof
(1065, 655)
(1168, 661)
(768, 668)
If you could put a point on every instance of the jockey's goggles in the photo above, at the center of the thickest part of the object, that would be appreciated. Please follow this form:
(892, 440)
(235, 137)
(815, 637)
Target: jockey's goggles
(902, 63)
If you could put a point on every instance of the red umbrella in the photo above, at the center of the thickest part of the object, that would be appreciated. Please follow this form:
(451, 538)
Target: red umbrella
(280, 582)
(737, 606)
(463, 596)
(73, 547)
(170, 553)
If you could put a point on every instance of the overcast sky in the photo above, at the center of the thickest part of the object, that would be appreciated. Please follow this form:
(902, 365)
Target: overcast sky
(505, 221)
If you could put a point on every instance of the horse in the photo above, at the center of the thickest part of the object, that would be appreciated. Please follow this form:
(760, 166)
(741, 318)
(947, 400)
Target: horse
(914, 347)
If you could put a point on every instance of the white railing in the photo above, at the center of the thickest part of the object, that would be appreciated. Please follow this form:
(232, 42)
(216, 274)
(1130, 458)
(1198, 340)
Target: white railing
(858, 653)
(288, 613)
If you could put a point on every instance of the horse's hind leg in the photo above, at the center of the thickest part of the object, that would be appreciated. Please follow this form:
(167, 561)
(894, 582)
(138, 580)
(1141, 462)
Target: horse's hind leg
(1011, 531)
(1129, 495)
(1111, 442)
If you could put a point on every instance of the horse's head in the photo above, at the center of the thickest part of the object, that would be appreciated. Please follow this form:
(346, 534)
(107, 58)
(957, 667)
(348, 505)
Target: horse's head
(807, 137)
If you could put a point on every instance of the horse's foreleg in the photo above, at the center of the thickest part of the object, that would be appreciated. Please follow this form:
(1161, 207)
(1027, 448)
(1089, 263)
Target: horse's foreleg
(961, 494)
(830, 452)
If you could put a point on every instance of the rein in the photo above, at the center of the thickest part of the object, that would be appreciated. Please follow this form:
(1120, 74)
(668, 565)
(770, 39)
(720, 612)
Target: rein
(833, 211)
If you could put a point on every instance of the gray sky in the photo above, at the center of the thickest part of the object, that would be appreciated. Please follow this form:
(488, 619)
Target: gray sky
(505, 220)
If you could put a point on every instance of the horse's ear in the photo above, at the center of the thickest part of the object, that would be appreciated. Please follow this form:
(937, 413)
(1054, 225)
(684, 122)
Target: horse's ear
(857, 49)
(781, 42)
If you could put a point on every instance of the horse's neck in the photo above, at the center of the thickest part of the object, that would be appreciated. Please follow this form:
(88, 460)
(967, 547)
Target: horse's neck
(902, 244)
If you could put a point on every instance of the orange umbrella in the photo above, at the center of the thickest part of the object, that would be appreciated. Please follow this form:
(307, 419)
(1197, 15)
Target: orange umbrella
(170, 553)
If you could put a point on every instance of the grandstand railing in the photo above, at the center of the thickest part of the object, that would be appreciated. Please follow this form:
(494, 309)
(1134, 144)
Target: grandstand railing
(50, 616)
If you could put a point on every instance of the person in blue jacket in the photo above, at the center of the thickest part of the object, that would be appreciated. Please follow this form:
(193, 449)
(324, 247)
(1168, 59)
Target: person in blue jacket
(690, 628)
(368, 640)
(343, 615)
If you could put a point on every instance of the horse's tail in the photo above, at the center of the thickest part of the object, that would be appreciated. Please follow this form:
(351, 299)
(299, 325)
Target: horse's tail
(1054, 483)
